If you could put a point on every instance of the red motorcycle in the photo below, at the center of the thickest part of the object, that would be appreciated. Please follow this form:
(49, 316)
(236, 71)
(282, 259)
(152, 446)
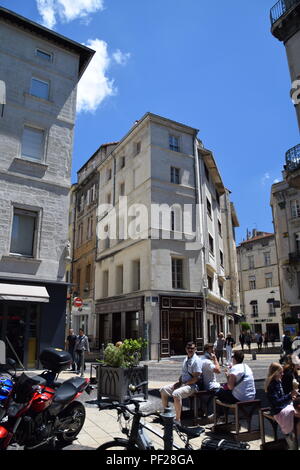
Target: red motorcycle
(41, 412)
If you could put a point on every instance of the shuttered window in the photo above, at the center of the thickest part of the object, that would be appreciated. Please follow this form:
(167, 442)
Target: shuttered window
(33, 143)
(23, 232)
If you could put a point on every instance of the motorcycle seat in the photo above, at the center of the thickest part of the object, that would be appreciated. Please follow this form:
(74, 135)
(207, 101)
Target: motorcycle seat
(68, 390)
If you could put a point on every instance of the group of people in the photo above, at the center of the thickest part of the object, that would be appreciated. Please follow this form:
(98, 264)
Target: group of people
(76, 346)
(260, 339)
(200, 373)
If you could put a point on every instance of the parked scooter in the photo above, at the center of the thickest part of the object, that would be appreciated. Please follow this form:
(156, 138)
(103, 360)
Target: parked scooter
(41, 412)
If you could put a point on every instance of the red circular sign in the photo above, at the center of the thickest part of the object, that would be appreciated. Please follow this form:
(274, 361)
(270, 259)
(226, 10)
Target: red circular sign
(78, 302)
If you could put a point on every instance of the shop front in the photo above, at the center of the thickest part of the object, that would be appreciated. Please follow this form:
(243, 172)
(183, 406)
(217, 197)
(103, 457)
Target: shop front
(181, 320)
(32, 317)
(120, 319)
(215, 320)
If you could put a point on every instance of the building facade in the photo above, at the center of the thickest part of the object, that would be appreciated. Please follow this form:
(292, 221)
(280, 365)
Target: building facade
(259, 284)
(285, 195)
(39, 74)
(160, 253)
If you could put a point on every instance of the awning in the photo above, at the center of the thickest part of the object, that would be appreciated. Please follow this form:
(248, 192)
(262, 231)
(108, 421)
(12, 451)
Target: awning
(253, 302)
(23, 293)
(270, 301)
(238, 314)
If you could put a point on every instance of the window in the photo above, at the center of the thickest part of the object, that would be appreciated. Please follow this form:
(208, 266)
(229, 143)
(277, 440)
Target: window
(272, 312)
(122, 162)
(210, 282)
(39, 88)
(269, 279)
(136, 275)
(208, 205)
(217, 198)
(295, 208)
(90, 227)
(267, 257)
(172, 221)
(221, 258)
(211, 244)
(175, 175)
(252, 282)
(78, 275)
(177, 273)
(119, 280)
(43, 55)
(254, 308)
(137, 148)
(105, 283)
(80, 235)
(122, 189)
(297, 242)
(206, 171)
(220, 228)
(23, 235)
(251, 262)
(174, 143)
(32, 143)
(108, 198)
(221, 289)
(87, 278)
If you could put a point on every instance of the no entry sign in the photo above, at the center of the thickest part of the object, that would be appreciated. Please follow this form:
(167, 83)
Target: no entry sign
(77, 302)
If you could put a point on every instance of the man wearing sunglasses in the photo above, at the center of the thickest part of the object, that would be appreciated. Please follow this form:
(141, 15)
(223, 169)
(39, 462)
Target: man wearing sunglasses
(187, 384)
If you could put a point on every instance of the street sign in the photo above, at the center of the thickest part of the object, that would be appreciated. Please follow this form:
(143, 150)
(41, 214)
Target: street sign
(78, 302)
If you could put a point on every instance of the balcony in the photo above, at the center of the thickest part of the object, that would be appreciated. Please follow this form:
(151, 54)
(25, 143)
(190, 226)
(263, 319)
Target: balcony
(287, 11)
(294, 258)
(292, 166)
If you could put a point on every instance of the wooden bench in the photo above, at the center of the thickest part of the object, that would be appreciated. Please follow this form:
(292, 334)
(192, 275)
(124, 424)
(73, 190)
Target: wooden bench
(199, 403)
(241, 410)
(275, 444)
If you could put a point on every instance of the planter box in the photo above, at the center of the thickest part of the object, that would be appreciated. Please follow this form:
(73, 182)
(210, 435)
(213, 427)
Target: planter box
(113, 382)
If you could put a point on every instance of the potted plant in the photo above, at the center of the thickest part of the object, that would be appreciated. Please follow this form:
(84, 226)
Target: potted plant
(120, 368)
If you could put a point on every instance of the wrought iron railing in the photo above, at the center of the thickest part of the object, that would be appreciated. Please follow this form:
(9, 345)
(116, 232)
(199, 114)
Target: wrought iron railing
(281, 8)
(292, 158)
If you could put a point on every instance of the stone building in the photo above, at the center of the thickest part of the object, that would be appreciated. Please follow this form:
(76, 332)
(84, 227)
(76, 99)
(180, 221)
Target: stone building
(160, 252)
(285, 195)
(84, 243)
(39, 73)
(259, 283)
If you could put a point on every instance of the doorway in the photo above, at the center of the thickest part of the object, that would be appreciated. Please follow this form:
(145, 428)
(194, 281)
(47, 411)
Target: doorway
(19, 330)
(182, 330)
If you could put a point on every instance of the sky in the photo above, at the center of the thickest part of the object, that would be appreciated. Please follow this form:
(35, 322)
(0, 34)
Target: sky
(211, 65)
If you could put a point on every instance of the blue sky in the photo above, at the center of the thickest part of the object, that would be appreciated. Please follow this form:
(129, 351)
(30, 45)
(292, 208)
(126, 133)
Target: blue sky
(212, 65)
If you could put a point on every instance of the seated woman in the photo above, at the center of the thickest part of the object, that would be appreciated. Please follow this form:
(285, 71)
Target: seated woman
(290, 374)
(281, 403)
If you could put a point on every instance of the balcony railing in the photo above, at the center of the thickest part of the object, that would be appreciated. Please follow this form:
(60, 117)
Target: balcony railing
(292, 158)
(281, 8)
(294, 257)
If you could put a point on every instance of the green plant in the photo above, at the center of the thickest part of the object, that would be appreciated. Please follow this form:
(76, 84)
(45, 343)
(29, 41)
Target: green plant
(128, 354)
(244, 326)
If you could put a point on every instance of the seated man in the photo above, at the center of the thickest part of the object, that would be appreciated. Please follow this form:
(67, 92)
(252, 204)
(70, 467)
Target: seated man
(210, 367)
(187, 385)
(240, 382)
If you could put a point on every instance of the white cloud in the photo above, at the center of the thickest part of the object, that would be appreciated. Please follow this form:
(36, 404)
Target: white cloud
(67, 10)
(276, 181)
(265, 178)
(94, 85)
(121, 58)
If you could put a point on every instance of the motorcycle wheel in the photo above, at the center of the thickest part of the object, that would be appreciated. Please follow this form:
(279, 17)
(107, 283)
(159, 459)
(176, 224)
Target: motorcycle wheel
(75, 410)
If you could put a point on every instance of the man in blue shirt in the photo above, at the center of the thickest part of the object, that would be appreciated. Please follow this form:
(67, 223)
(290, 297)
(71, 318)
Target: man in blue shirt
(187, 384)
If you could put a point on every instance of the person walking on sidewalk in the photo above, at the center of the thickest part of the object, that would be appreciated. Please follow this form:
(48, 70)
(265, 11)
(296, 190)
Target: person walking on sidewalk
(187, 384)
(229, 343)
(242, 340)
(219, 348)
(70, 344)
(81, 345)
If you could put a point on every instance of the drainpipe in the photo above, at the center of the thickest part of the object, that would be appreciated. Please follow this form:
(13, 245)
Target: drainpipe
(200, 232)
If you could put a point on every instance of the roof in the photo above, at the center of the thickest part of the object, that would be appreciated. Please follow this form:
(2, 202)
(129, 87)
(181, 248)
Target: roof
(85, 53)
(258, 237)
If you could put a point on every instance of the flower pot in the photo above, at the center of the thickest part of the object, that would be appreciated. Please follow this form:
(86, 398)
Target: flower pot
(113, 382)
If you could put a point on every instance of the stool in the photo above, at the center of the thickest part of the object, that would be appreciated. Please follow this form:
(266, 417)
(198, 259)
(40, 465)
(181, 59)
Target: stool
(241, 410)
(95, 366)
(200, 400)
(276, 444)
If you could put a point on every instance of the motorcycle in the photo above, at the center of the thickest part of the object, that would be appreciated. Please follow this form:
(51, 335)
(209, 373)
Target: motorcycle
(40, 412)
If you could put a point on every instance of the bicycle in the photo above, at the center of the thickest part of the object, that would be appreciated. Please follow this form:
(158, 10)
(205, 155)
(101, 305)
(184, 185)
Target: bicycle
(137, 439)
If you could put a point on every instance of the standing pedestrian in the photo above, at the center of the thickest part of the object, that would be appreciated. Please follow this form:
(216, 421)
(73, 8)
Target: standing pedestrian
(272, 339)
(266, 340)
(287, 343)
(248, 341)
(229, 343)
(81, 345)
(260, 341)
(242, 340)
(70, 344)
(219, 348)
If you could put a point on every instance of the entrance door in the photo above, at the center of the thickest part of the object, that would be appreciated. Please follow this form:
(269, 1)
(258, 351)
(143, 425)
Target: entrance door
(182, 330)
(116, 327)
(273, 329)
(18, 326)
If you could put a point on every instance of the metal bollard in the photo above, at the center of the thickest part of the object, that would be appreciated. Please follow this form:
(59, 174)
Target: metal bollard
(168, 418)
(254, 356)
